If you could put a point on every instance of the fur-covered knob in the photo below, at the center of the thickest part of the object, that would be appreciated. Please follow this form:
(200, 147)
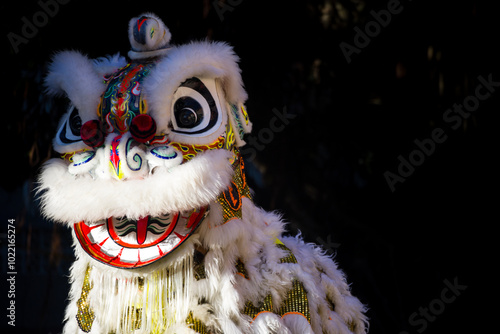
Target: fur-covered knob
(148, 36)
(143, 128)
(92, 133)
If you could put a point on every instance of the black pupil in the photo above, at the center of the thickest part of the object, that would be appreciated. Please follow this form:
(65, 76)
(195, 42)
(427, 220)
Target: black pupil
(188, 112)
(187, 117)
(75, 122)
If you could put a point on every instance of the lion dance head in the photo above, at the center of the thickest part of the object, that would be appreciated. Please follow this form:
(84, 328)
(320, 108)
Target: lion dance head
(151, 182)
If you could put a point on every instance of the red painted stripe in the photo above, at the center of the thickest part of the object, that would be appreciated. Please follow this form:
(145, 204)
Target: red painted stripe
(140, 22)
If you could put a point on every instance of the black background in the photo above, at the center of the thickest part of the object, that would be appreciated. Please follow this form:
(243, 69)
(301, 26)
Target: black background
(348, 124)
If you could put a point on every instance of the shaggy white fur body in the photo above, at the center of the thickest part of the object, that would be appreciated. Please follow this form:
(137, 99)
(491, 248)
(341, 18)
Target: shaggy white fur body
(223, 291)
(230, 269)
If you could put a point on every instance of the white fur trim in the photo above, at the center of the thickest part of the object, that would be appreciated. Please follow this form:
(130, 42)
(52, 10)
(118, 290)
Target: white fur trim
(71, 199)
(73, 74)
(160, 39)
(147, 54)
(297, 324)
(107, 65)
(267, 322)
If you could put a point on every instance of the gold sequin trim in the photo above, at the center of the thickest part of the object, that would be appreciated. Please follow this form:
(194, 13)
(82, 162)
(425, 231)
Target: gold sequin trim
(295, 303)
(240, 269)
(351, 325)
(231, 198)
(290, 258)
(134, 317)
(198, 265)
(196, 324)
(85, 316)
(253, 311)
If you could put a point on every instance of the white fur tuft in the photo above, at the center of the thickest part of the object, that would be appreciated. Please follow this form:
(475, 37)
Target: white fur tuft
(105, 66)
(74, 74)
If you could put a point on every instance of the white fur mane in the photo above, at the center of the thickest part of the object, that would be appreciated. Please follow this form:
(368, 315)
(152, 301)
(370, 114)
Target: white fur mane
(68, 198)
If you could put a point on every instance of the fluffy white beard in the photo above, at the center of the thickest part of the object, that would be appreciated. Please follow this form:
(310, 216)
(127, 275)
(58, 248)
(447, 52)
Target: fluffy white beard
(69, 199)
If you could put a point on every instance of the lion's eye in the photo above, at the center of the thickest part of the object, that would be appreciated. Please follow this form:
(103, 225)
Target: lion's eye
(188, 112)
(69, 132)
(194, 110)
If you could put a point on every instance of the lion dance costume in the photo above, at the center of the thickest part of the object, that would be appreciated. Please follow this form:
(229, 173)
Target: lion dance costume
(166, 236)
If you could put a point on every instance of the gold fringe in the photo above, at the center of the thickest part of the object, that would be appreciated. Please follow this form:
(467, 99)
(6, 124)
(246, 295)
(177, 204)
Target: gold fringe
(148, 304)
(85, 316)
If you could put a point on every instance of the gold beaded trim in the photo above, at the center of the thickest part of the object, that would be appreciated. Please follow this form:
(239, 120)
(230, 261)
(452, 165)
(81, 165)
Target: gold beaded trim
(240, 269)
(85, 316)
(134, 317)
(231, 198)
(290, 258)
(265, 306)
(196, 324)
(295, 303)
(351, 325)
(199, 266)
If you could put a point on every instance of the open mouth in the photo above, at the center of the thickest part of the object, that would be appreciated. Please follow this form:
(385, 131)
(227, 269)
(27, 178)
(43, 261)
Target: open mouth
(128, 243)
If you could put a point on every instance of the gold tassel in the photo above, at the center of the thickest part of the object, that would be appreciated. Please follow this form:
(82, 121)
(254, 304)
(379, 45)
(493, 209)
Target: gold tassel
(85, 316)
(148, 304)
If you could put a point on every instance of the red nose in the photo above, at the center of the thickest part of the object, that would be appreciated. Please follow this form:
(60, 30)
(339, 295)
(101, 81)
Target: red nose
(92, 133)
(143, 128)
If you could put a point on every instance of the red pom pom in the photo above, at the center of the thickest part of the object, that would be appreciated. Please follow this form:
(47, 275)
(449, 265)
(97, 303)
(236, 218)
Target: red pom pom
(92, 134)
(143, 128)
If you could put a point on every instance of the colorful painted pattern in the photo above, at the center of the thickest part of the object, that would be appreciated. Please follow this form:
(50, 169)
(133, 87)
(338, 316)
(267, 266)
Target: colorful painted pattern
(122, 100)
(114, 158)
(236, 115)
(231, 198)
(190, 151)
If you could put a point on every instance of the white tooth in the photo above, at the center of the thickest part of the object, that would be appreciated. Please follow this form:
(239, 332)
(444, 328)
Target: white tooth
(169, 243)
(98, 234)
(149, 253)
(111, 248)
(130, 255)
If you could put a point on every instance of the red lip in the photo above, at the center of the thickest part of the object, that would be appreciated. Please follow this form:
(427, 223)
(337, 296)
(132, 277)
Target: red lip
(105, 243)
